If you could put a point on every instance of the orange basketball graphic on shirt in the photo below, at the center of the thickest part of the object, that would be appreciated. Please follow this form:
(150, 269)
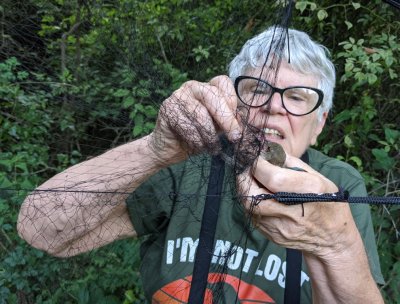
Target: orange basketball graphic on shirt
(177, 292)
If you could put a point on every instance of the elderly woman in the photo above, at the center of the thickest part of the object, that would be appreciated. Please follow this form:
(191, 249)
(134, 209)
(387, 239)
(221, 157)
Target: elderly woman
(282, 98)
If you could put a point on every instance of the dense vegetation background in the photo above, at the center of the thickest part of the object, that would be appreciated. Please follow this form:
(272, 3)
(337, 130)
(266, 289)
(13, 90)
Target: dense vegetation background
(80, 76)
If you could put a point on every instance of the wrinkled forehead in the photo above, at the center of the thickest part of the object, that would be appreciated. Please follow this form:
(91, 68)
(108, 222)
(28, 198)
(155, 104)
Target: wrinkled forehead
(282, 74)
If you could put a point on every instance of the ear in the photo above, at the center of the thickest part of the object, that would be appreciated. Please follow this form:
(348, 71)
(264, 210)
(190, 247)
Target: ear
(319, 125)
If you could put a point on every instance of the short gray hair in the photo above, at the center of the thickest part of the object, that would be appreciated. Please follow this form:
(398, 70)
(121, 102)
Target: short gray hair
(306, 57)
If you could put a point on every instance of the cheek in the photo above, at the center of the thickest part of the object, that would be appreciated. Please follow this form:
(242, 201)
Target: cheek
(304, 131)
(315, 130)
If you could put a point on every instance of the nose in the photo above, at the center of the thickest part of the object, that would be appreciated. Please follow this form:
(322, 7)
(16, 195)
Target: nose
(275, 106)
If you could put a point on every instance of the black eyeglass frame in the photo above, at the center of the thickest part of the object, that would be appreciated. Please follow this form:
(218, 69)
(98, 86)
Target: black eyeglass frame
(280, 91)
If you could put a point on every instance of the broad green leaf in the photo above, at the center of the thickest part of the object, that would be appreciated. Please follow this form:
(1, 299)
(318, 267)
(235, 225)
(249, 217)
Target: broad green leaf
(142, 92)
(343, 116)
(5, 182)
(372, 78)
(22, 166)
(137, 130)
(7, 163)
(128, 101)
(392, 135)
(348, 24)
(139, 107)
(301, 5)
(357, 160)
(348, 142)
(121, 93)
(384, 161)
(322, 14)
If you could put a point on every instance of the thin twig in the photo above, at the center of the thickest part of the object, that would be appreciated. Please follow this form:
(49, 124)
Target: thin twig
(4, 247)
(162, 48)
(393, 221)
(11, 117)
(6, 236)
(64, 45)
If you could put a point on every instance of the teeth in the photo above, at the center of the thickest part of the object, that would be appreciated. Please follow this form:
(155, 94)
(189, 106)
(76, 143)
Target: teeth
(272, 132)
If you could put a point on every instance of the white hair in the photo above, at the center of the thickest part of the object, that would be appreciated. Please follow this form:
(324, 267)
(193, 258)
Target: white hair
(306, 57)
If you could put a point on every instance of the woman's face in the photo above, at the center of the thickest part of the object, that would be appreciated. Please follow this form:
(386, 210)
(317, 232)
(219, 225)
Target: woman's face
(294, 133)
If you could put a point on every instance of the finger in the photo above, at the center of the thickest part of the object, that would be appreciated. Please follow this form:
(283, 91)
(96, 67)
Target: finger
(219, 97)
(189, 121)
(249, 190)
(278, 179)
(294, 162)
(224, 83)
(269, 208)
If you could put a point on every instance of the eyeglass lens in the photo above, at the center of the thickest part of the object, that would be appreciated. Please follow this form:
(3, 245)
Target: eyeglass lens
(296, 100)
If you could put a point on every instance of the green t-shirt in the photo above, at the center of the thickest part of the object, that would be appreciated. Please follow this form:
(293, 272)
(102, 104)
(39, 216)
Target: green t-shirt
(167, 209)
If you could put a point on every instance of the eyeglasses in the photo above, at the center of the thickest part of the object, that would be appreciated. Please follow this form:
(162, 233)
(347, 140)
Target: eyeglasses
(296, 100)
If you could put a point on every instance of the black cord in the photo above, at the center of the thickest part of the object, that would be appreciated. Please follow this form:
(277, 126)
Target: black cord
(291, 198)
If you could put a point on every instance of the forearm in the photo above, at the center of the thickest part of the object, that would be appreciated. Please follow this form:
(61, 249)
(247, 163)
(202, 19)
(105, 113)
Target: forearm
(343, 276)
(85, 204)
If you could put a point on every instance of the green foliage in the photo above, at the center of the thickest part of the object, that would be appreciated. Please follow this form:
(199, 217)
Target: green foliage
(30, 276)
(89, 75)
(364, 130)
(23, 132)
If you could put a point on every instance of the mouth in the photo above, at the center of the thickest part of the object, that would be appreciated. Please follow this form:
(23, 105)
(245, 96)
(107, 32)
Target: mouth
(272, 133)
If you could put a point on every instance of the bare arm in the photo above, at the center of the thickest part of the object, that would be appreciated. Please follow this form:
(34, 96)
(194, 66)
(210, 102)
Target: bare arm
(343, 277)
(84, 207)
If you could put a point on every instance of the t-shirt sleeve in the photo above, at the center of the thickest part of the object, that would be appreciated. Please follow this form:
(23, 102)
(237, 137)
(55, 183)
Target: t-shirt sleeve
(348, 178)
(362, 217)
(151, 204)
(345, 176)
